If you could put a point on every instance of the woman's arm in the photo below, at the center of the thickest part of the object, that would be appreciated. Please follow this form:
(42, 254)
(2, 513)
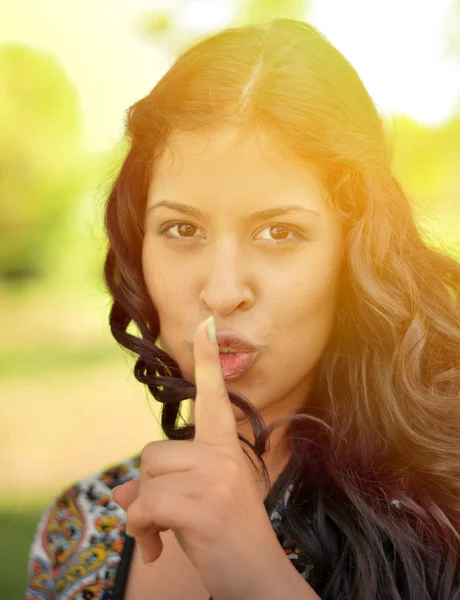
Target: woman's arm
(282, 583)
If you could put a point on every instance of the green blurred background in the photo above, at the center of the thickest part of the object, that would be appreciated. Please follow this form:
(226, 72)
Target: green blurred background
(69, 404)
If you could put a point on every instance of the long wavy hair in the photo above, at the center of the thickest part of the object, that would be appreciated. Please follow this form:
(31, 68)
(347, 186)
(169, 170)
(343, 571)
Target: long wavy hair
(384, 407)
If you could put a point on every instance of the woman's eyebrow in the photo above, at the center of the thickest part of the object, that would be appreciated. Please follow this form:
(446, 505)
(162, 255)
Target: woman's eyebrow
(267, 213)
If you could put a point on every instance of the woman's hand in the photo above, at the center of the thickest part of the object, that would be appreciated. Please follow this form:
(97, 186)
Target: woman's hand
(205, 491)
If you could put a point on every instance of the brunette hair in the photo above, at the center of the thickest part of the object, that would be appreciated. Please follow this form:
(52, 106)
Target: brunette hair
(384, 407)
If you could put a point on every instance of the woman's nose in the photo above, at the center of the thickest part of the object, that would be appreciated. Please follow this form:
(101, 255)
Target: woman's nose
(227, 283)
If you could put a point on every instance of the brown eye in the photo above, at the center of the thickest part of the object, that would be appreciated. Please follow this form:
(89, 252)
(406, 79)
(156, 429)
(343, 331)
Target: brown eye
(179, 231)
(277, 229)
(185, 229)
(281, 236)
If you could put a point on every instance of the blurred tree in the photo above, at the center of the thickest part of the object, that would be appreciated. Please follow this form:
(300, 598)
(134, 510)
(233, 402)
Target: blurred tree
(453, 29)
(162, 26)
(427, 160)
(40, 158)
(258, 11)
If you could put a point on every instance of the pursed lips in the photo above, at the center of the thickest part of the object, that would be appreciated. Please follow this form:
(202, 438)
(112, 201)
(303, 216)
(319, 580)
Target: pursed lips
(230, 340)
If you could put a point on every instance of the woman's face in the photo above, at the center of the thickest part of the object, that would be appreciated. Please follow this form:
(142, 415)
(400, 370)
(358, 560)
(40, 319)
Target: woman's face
(272, 279)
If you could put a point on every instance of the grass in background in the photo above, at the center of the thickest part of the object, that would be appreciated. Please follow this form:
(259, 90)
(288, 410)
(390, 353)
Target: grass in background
(18, 528)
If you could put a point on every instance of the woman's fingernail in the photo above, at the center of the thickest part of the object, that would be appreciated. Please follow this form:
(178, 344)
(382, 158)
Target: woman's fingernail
(114, 490)
(212, 331)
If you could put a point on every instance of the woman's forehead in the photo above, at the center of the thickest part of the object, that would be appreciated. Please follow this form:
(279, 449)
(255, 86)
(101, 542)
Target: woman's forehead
(253, 163)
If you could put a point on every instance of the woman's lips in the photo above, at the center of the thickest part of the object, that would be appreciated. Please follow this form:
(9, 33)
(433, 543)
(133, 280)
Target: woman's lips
(237, 341)
(234, 365)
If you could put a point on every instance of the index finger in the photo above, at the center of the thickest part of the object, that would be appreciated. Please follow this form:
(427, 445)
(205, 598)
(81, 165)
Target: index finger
(214, 419)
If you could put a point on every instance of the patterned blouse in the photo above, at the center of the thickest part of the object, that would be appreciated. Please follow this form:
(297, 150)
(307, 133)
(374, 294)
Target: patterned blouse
(81, 551)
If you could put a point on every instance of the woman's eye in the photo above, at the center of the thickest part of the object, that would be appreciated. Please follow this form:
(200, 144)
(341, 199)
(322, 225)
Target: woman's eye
(184, 230)
(278, 234)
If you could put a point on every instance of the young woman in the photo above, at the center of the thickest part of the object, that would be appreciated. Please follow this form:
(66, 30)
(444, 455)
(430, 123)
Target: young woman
(258, 190)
